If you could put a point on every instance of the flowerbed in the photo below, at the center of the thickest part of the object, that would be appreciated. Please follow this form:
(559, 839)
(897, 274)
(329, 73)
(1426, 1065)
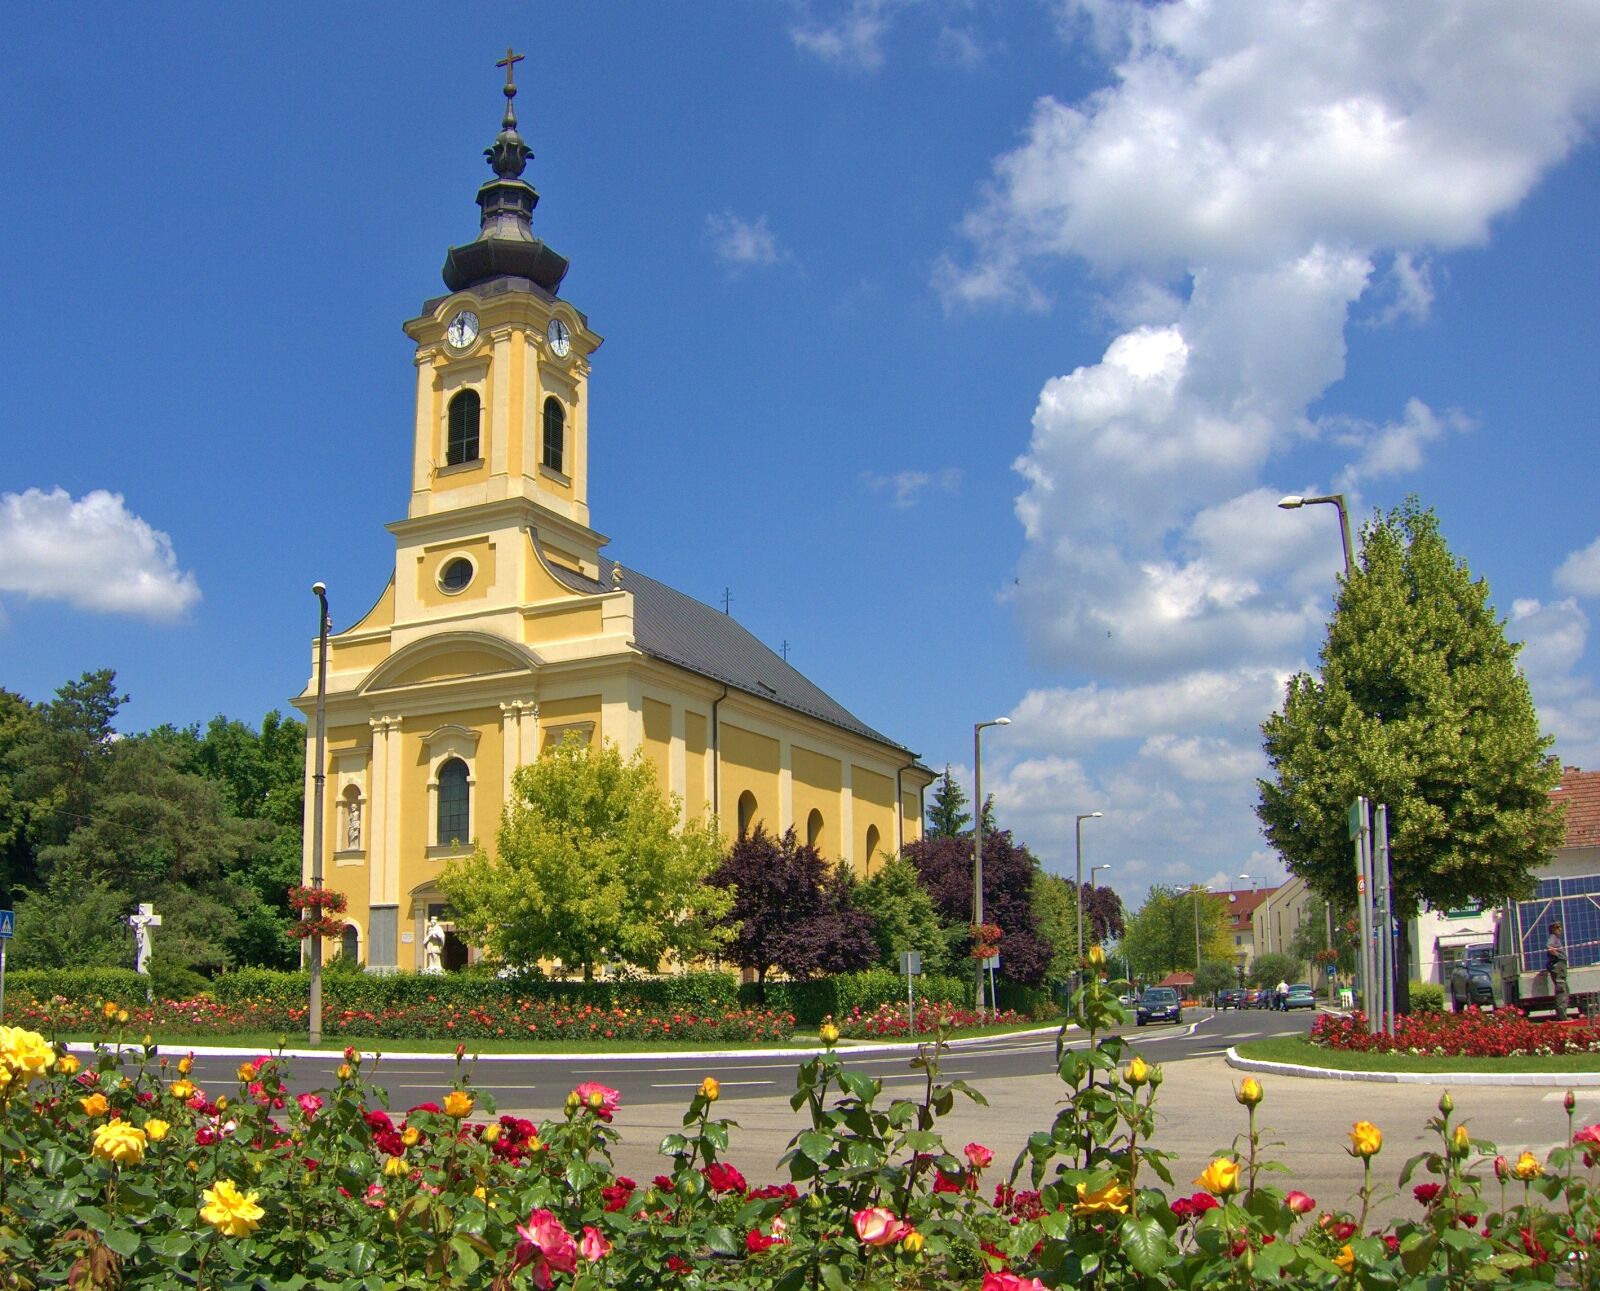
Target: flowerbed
(889, 1020)
(124, 1173)
(498, 1019)
(1504, 1033)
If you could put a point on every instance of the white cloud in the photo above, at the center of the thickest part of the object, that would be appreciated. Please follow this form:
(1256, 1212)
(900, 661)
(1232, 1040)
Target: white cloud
(1579, 573)
(853, 39)
(1410, 280)
(1397, 447)
(907, 487)
(743, 244)
(1554, 637)
(962, 46)
(92, 553)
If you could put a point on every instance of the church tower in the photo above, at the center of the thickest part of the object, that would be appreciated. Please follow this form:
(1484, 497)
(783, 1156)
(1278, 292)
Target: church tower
(503, 630)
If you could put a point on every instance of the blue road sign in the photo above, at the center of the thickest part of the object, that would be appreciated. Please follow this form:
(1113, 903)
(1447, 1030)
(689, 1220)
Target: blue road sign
(7, 923)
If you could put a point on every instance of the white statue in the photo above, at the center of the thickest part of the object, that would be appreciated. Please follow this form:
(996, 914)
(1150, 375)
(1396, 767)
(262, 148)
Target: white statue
(433, 948)
(141, 923)
(352, 828)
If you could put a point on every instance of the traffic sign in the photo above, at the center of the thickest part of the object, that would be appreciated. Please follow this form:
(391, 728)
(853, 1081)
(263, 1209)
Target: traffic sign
(8, 922)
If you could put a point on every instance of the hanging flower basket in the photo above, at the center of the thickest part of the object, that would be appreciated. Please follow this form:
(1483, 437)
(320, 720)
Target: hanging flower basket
(985, 940)
(321, 912)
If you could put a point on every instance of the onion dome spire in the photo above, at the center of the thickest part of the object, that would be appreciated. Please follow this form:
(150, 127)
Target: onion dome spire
(506, 246)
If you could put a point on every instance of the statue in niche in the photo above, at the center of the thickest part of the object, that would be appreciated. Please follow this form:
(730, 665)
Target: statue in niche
(352, 825)
(433, 947)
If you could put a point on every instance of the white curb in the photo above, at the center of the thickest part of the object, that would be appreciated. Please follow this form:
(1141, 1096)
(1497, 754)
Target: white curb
(1536, 1079)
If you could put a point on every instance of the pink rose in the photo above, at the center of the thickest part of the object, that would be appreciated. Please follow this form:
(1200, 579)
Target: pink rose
(1299, 1203)
(1007, 1281)
(594, 1246)
(545, 1245)
(607, 1103)
(978, 1155)
(876, 1226)
(310, 1104)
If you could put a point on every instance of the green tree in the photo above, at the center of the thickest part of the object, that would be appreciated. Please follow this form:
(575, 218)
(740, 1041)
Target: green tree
(1056, 908)
(1310, 941)
(592, 864)
(1214, 975)
(1160, 938)
(59, 763)
(1420, 706)
(948, 816)
(1269, 970)
(904, 915)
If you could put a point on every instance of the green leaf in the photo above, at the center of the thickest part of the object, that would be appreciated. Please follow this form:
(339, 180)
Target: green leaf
(1144, 1242)
(818, 1147)
(120, 1240)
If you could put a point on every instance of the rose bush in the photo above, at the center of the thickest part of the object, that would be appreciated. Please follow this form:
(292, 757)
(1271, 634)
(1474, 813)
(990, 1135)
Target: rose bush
(1504, 1033)
(121, 1171)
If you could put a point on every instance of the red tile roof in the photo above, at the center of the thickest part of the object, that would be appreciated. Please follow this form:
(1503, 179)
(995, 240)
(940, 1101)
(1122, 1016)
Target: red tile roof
(1240, 905)
(1580, 790)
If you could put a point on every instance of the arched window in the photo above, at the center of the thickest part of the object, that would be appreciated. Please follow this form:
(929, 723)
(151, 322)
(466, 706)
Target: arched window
(462, 443)
(813, 828)
(747, 812)
(350, 944)
(873, 839)
(453, 802)
(555, 434)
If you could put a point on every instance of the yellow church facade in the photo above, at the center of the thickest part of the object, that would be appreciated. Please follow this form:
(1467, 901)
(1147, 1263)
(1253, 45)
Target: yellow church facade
(504, 629)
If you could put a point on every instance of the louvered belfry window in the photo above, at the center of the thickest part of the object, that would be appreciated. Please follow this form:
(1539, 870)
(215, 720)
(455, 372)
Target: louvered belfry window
(461, 444)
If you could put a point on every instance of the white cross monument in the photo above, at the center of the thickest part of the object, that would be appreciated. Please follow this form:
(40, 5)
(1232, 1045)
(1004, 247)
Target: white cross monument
(141, 923)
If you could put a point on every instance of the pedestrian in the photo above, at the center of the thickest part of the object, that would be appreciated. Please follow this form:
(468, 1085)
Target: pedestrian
(1556, 965)
(1281, 997)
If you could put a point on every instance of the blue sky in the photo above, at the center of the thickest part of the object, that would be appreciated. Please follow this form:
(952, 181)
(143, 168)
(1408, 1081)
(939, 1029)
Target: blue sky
(969, 345)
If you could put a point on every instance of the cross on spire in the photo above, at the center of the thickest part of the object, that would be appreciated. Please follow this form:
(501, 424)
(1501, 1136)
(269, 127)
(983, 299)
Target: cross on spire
(509, 62)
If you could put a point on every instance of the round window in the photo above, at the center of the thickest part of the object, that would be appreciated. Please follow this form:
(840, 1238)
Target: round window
(455, 574)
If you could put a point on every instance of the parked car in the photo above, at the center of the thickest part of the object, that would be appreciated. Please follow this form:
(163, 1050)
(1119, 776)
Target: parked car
(1230, 998)
(1471, 982)
(1301, 996)
(1254, 998)
(1159, 1004)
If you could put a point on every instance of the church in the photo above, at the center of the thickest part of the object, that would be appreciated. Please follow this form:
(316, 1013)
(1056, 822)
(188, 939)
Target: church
(503, 629)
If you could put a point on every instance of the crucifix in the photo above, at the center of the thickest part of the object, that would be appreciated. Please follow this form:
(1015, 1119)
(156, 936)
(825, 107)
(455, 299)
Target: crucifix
(141, 923)
(509, 62)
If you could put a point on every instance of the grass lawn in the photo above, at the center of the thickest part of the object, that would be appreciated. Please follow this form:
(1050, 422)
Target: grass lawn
(263, 1042)
(1300, 1050)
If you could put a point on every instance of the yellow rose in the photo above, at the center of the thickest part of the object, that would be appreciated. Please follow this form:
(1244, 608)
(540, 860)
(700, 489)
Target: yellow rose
(1460, 1141)
(458, 1103)
(1366, 1139)
(912, 1243)
(395, 1166)
(67, 1064)
(185, 1064)
(246, 1072)
(710, 1090)
(222, 1102)
(25, 1054)
(229, 1211)
(108, 1010)
(1097, 957)
(480, 1192)
(94, 1105)
(491, 1133)
(1345, 1259)
(1527, 1167)
(345, 1071)
(119, 1142)
(1220, 1178)
(156, 1129)
(1249, 1092)
(828, 1033)
(1137, 1072)
(122, 1015)
(411, 1137)
(182, 1090)
(1113, 1197)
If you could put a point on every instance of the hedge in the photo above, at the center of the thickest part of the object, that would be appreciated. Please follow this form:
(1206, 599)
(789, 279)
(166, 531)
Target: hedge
(812, 1001)
(78, 984)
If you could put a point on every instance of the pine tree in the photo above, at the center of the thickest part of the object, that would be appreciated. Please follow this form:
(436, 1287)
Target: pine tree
(1419, 706)
(947, 815)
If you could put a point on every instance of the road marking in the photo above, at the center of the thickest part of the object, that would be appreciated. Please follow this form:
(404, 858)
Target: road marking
(1582, 1095)
(724, 1084)
(1248, 1035)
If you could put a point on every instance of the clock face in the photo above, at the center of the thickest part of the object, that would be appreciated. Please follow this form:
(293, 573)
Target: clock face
(560, 338)
(463, 330)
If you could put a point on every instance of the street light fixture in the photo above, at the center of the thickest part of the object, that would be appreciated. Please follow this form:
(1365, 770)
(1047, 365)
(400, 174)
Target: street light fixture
(1077, 892)
(314, 1013)
(1294, 501)
(1095, 869)
(977, 837)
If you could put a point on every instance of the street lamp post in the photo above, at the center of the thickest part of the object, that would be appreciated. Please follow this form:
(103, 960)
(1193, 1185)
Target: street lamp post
(1290, 503)
(1077, 892)
(1093, 870)
(1195, 891)
(314, 1017)
(977, 838)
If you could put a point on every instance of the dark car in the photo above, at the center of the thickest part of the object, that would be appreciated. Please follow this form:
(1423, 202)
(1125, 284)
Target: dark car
(1471, 982)
(1159, 1004)
(1230, 998)
(1300, 996)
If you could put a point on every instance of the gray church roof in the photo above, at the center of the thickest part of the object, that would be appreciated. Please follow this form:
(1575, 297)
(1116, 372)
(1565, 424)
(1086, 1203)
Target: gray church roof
(681, 630)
